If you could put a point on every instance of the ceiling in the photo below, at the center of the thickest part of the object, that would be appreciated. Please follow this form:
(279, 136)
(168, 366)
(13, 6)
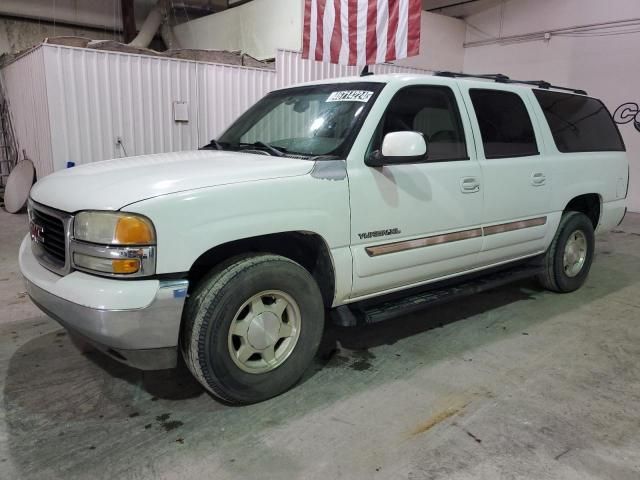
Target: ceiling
(453, 8)
(457, 8)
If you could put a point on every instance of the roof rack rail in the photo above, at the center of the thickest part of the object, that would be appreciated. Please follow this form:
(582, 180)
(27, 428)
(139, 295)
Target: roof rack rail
(546, 85)
(498, 77)
(501, 78)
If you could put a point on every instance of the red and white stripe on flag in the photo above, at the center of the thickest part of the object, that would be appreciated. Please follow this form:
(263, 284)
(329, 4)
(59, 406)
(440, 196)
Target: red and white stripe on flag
(361, 32)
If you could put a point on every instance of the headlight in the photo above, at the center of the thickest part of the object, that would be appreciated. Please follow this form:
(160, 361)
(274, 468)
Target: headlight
(106, 265)
(113, 228)
(114, 244)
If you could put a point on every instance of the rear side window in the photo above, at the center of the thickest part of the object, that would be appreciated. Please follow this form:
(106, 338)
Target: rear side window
(579, 124)
(505, 124)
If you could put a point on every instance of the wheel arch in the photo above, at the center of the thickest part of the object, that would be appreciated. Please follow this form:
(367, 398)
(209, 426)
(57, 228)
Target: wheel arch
(309, 249)
(588, 203)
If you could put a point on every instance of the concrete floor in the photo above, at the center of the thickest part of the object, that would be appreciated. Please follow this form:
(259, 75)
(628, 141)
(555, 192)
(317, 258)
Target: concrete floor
(514, 383)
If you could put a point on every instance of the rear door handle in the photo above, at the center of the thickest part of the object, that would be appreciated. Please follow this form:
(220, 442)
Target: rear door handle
(538, 179)
(469, 185)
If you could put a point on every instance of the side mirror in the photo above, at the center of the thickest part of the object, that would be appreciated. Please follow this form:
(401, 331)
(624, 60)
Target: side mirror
(399, 147)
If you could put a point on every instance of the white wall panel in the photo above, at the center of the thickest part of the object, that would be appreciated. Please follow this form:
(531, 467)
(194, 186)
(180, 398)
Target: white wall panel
(25, 88)
(96, 97)
(225, 92)
(441, 40)
(257, 28)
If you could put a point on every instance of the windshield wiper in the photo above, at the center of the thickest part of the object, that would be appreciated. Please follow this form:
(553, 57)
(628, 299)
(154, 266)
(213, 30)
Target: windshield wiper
(324, 157)
(213, 144)
(275, 151)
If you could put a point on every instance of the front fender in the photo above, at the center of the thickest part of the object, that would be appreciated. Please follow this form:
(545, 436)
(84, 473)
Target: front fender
(190, 223)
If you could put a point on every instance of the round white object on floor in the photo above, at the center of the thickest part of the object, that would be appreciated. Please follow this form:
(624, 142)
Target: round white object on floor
(19, 184)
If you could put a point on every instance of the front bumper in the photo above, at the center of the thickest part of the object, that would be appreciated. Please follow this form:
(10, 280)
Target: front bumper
(134, 321)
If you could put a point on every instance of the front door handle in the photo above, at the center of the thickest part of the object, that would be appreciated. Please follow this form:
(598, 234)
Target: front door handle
(538, 179)
(469, 185)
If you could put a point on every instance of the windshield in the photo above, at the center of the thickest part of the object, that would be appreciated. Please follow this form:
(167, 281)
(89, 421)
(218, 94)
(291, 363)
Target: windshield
(310, 121)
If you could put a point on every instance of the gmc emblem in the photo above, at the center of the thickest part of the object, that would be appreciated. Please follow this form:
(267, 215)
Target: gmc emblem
(37, 232)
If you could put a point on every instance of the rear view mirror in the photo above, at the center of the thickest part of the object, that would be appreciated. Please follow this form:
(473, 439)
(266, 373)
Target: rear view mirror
(399, 147)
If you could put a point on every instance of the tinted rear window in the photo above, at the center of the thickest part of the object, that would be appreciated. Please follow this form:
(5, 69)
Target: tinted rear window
(504, 123)
(579, 124)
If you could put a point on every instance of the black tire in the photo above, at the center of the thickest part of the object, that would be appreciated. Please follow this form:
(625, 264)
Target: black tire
(553, 276)
(210, 311)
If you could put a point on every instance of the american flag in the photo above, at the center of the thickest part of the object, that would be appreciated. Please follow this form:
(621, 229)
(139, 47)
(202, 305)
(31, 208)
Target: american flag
(361, 32)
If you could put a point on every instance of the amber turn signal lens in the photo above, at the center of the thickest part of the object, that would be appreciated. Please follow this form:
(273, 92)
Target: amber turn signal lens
(125, 266)
(132, 230)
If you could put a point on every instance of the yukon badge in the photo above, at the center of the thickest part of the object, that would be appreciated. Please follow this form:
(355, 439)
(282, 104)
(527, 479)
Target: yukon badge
(380, 233)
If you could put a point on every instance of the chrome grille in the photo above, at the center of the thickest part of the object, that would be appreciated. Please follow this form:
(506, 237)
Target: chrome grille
(52, 235)
(49, 237)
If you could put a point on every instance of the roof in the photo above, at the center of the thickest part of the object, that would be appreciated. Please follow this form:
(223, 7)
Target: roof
(444, 78)
(382, 78)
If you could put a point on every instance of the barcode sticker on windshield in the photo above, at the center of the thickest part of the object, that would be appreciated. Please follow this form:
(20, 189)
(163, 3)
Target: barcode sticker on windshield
(350, 96)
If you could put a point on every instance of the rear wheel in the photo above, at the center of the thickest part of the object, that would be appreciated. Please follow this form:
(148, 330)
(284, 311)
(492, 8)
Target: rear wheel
(568, 260)
(252, 327)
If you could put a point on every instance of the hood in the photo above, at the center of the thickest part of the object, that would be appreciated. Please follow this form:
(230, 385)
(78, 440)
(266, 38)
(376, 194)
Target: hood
(112, 184)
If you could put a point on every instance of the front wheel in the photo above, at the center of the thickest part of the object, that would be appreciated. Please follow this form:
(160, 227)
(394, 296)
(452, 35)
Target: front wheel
(568, 260)
(252, 327)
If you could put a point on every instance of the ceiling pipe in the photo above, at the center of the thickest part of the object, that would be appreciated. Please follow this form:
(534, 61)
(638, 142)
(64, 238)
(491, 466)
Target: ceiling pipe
(168, 37)
(157, 19)
(149, 27)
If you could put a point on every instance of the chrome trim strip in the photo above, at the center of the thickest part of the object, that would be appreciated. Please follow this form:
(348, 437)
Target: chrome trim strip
(146, 255)
(423, 242)
(453, 236)
(511, 226)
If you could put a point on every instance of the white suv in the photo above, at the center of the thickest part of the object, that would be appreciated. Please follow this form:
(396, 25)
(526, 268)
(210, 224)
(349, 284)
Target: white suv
(371, 196)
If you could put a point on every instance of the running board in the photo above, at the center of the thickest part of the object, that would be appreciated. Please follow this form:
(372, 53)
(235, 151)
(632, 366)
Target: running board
(368, 312)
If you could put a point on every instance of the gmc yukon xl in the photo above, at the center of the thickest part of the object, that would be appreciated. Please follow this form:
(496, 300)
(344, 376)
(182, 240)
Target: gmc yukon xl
(366, 197)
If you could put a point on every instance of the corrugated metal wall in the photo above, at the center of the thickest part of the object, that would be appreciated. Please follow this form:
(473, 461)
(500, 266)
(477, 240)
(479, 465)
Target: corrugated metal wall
(225, 92)
(25, 87)
(73, 104)
(98, 97)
